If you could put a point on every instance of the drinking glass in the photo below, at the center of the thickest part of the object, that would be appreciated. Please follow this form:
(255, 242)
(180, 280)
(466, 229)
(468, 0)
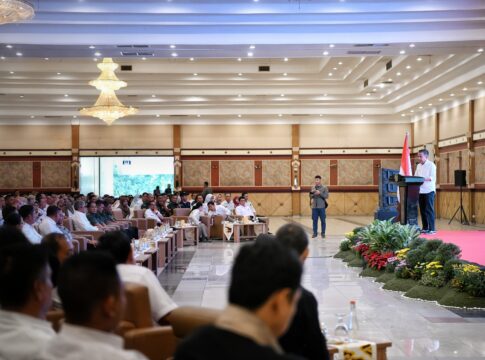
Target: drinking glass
(341, 329)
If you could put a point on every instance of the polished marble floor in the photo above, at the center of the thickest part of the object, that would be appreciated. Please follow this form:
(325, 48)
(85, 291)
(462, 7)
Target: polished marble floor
(418, 330)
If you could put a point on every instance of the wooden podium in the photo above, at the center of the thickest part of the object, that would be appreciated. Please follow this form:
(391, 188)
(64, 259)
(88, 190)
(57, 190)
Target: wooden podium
(409, 197)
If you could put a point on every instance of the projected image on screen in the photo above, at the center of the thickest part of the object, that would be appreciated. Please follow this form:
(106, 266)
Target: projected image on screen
(125, 175)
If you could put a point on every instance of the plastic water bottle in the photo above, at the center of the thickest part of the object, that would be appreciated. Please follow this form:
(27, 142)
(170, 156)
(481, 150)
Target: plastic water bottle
(353, 322)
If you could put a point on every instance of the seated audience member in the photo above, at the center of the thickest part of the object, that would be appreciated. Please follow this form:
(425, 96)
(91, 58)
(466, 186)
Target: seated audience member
(125, 208)
(13, 220)
(263, 295)
(92, 215)
(80, 220)
(304, 336)
(194, 217)
(227, 203)
(219, 199)
(173, 204)
(49, 224)
(162, 205)
(42, 200)
(168, 189)
(145, 199)
(131, 231)
(27, 214)
(184, 203)
(119, 246)
(10, 205)
(25, 298)
(198, 200)
(93, 301)
(58, 250)
(248, 202)
(242, 209)
(11, 236)
(208, 198)
(217, 210)
(236, 202)
(153, 213)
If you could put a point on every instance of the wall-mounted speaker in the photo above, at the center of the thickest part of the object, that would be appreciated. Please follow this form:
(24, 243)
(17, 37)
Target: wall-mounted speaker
(460, 177)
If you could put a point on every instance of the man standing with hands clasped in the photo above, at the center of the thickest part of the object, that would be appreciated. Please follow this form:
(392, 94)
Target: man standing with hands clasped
(319, 196)
(427, 170)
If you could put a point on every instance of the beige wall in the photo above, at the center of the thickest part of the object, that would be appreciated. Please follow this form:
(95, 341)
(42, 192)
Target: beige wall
(126, 137)
(35, 137)
(424, 131)
(355, 135)
(236, 136)
(480, 114)
(454, 122)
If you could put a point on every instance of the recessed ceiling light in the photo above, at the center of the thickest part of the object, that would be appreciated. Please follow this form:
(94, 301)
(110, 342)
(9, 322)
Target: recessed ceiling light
(398, 74)
(320, 115)
(143, 58)
(191, 59)
(411, 111)
(480, 83)
(285, 74)
(58, 73)
(280, 115)
(195, 74)
(95, 59)
(402, 52)
(252, 47)
(11, 72)
(46, 59)
(411, 45)
(403, 115)
(32, 116)
(239, 115)
(325, 95)
(419, 59)
(408, 67)
(19, 54)
(374, 89)
(334, 68)
(390, 80)
(285, 59)
(240, 74)
(381, 85)
(282, 95)
(66, 95)
(153, 95)
(2, 57)
(92, 47)
(250, 54)
(198, 115)
(452, 94)
(430, 104)
(340, 63)
(174, 54)
(480, 50)
(97, 53)
(465, 89)
(325, 53)
(330, 74)
(331, 45)
(74, 116)
(8, 46)
(239, 95)
(440, 99)
(21, 96)
(255, 0)
(172, 46)
(368, 94)
(420, 107)
(158, 115)
(239, 59)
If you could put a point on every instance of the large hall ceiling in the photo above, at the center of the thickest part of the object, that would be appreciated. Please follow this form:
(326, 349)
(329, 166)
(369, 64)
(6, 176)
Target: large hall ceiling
(199, 61)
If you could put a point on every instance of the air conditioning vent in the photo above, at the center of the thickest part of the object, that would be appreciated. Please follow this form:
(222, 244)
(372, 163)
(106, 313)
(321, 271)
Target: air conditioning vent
(124, 46)
(126, 68)
(132, 46)
(264, 68)
(370, 45)
(300, 114)
(364, 52)
(366, 83)
(52, 117)
(178, 115)
(145, 54)
(140, 46)
(127, 53)
(389, 65)
(387, 82)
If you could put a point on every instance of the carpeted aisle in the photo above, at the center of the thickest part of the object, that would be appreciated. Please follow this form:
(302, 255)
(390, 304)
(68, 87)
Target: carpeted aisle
(471, 243)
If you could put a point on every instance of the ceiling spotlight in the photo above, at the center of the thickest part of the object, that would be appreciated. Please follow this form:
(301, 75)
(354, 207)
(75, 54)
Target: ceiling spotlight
(285, 74)
(480, 50)
(239, 95)
(320, 115)
(402, 52)
(46, 59)
(465, 89)
(374, 89)
(368, 94)
(419, 59)
(398, 74)
(240, 74)
(250, 54)
(95, 59)
(239, 59)
(239, 116)
(66, 95)
(440, 99)
(452, 94)
(8, 46)
(19, 54)
(92, 47)
(11, 72)
(325, 95)
(172, 46)
(153, 95)
(420, 107)
(2, 57)
(74, 116)
(282, 95)
(411, 111)
(198, 115)
(58, 73)
(97, 54)
(480, 83)
(389, 80)
(408, 67)
(280, 115)
(252, 47)
(191, 59)
(334, 68)
(32, 116)
(340, 63)
(430, 104)
(403, 115)
(174, 54)
(21, 96)
(411, 45)
(331, 45)
(143, 58)
(325, 53)
(285, 59)
(330, 74)
(158, 115)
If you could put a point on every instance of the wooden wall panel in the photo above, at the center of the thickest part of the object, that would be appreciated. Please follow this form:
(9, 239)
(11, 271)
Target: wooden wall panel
(449, 202)
(355, 172)
(16, 175)
(480, 207)
(236, 172)
(272, 204)
(394, 164)
(480, 165)
(55, 174)
(360, 203)
(276, 173)
(312, 167)
(195, 172)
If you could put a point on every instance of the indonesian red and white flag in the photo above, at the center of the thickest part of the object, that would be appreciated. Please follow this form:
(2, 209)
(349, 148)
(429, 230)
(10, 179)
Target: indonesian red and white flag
(406, 169)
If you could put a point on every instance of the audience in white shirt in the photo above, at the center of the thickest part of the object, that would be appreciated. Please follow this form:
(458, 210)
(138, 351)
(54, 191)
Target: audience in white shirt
(93, 301)
(118, 245)
(79, 219)
(25, 298)
(242, 209)
(153, 213)
(27, 214)
(228, 203)
(194, 217)
(49, 224)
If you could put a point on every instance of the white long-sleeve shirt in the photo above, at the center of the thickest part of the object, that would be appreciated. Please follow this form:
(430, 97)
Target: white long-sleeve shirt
(220, 210)
(155, 215)
(48, 226)
(244, 211)
(22, 336)
(228, 205)
(31, 234)
(81, 222)
(427, 170)
(195, 216)
(76, 342)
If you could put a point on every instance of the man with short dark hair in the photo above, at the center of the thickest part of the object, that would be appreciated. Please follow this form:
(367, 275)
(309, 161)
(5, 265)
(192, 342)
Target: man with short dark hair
(319, 196)
(184, 203)
(118, 245)
(153, 213)
(304, 336)
(173, 204)
(93, 301)
(427, 170)
(27, 214)
(25, 298)
(58, 249)
(263, 294)
(10, 205)
(49, 224)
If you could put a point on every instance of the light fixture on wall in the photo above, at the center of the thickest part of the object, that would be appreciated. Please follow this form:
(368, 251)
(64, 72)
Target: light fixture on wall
(108, 107)
(15, 10)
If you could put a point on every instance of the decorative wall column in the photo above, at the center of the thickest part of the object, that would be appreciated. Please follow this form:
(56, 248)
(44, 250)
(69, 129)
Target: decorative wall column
(177, 163)
(75, 163)
(295, 170)
(471, 161)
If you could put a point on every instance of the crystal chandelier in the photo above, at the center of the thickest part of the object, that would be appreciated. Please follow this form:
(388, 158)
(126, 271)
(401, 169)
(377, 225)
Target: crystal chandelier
(108, 108)
(15, 10)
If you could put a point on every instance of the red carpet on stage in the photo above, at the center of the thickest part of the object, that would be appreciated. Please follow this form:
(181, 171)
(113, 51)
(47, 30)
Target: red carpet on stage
(471, 243)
